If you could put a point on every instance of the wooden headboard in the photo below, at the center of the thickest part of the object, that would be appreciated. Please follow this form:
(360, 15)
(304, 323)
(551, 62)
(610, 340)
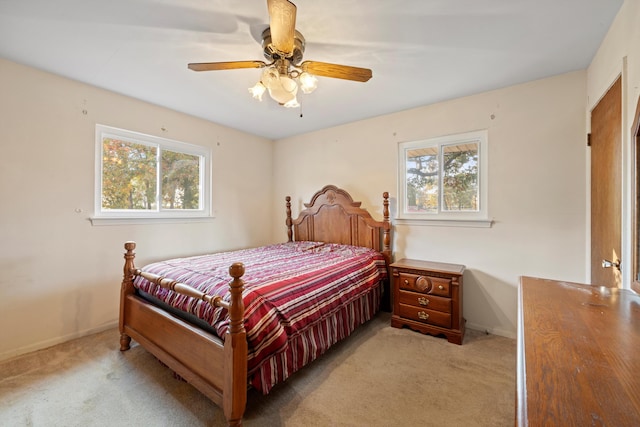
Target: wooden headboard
(332, 216)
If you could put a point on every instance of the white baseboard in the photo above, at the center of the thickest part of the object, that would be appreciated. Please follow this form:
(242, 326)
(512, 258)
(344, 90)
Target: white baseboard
(54, 341)
(493, 331)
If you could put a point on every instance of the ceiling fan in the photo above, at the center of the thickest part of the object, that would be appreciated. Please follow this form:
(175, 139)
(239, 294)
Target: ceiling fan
(284, 46)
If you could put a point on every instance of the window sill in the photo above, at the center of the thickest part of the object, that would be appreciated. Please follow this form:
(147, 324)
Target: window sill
(97, 221)
(475, 223)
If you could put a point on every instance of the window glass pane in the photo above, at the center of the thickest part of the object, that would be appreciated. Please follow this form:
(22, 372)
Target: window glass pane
(460, 177)
(180, 180)
(128, 175)
(422, 180)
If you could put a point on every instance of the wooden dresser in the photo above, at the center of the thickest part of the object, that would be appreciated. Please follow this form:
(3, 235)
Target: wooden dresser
(427, 297)
(578, 355)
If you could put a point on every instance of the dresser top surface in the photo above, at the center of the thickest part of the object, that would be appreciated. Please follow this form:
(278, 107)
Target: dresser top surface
(578, 349)
(441, 267)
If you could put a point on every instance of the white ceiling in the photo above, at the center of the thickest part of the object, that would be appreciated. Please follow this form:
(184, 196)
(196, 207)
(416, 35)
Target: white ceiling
(420, 51)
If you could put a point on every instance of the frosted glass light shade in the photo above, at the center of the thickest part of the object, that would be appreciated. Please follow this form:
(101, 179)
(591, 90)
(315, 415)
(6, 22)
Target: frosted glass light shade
(283, 90)
(292, 104)
(257, 91)
(308, 82)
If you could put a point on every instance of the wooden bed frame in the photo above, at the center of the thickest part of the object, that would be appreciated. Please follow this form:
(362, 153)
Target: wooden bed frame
(215, 367)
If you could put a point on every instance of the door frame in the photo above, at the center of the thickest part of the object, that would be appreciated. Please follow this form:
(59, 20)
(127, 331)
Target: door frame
(635, 202)
(594, 96)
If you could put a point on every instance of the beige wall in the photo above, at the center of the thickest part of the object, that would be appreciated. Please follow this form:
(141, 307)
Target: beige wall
(619, 55)
(59, 275)
(537, 150)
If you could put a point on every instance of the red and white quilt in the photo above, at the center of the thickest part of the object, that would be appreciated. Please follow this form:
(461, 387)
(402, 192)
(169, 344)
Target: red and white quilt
(299, 298)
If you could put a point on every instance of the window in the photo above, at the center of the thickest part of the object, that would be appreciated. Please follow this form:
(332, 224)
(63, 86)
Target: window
(444, 179)
(144, 176)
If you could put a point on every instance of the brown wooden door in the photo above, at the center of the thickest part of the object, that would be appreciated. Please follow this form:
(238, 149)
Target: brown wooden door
(606, 187)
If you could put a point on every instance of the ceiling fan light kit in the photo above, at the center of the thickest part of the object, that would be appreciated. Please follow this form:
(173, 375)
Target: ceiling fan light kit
(285, 74)
(283, 86)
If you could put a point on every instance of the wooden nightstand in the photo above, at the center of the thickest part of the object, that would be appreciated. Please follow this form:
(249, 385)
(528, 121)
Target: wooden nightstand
(427, 297)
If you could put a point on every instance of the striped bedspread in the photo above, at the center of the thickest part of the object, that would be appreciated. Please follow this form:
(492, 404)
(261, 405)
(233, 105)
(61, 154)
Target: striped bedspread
(299, 297)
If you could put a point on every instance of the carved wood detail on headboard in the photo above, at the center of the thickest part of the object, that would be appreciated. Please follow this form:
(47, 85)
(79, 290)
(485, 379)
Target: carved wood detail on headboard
(332, 216)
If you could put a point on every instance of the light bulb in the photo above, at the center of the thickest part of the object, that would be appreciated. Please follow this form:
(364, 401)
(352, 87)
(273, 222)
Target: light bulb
(257, 91)
(308, 82)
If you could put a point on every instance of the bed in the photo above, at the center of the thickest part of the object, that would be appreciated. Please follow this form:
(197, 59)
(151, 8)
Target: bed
(179, 309)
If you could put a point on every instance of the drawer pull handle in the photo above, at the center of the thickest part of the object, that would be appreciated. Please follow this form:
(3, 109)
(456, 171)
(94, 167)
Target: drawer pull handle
(422, 315)
(406, 282)
(423, 301)
(440, 287)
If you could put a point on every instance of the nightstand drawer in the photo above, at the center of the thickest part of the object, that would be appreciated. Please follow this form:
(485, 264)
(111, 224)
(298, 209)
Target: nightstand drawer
(425, 284)
(425, 315)
(426, 301)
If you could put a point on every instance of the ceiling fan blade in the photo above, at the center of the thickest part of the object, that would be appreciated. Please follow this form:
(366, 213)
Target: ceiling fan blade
(233, 65)
(282, 21)
(346, 72)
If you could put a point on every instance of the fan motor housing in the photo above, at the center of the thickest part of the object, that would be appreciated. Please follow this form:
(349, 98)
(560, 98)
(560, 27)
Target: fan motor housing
(270, 53)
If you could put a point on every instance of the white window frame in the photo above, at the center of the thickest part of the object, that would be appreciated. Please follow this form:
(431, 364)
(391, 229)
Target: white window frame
(116, 216)
(479, 218)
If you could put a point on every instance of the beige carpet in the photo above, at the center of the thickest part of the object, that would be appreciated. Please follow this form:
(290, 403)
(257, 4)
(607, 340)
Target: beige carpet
(380, 376)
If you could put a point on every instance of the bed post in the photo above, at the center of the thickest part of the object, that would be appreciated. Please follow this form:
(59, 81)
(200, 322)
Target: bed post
(234, 396)
(289, 220)
(386, 251)
(125, 290)
(386, 233)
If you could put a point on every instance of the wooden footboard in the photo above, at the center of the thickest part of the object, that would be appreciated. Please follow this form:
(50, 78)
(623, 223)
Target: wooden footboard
(218, 369)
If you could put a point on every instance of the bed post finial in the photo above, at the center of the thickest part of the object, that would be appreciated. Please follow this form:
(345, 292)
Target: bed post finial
(129, 256)
(385, 203)
(236, 308)
(386, 236)
(289, 221)
(126, 289)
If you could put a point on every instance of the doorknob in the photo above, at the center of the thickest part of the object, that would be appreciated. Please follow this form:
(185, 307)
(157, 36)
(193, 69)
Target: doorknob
(608, 264)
